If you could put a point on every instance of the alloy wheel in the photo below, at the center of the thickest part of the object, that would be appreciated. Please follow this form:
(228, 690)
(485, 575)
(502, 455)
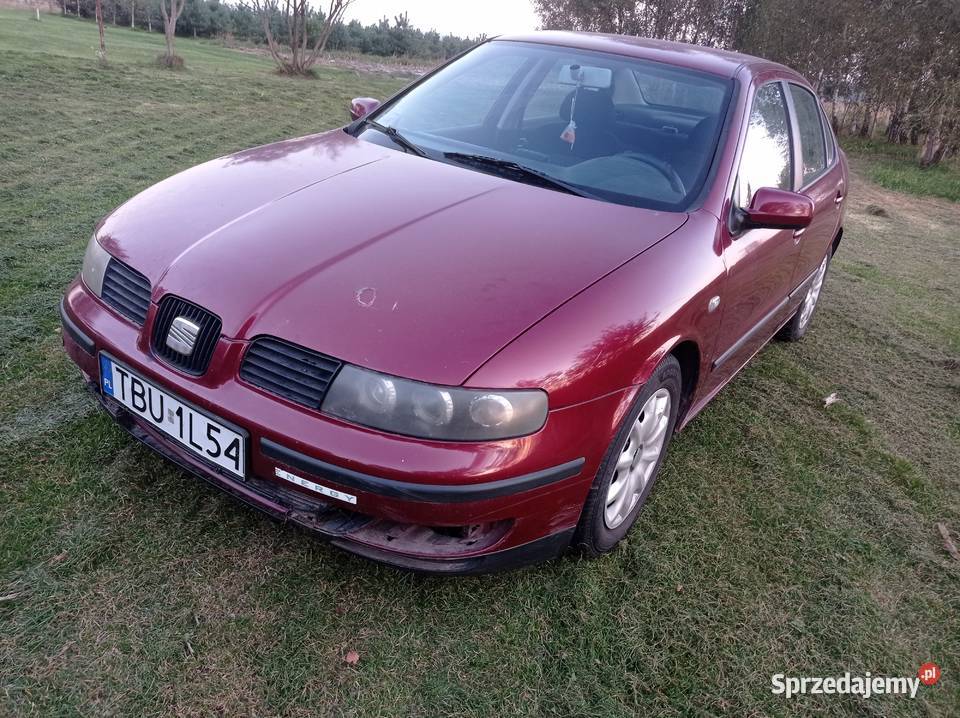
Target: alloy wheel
(638, 458)
(813, 293)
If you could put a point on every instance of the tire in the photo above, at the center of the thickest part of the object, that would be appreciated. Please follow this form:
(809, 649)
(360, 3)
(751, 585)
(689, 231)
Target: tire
(795, 329)
(602, 528)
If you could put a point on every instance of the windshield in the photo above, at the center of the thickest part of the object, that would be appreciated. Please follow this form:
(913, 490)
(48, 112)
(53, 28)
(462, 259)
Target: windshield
(619, 129)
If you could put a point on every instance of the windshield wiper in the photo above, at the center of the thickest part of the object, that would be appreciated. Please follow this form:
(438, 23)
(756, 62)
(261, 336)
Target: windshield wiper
(395, 135)
(522, 173)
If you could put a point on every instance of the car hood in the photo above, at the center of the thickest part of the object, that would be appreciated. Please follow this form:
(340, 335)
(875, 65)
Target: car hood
(379, 258)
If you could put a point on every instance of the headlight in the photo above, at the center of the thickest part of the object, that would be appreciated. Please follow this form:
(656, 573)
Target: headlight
(94, 265)
(411, 408)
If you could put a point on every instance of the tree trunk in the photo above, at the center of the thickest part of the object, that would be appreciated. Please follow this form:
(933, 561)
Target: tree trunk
(895, 126)
(843, 118)
(170, 15)
(103, 47)
(875, 117)
(170, 27)
(866, 122)
(78, 8)
(934, 147)
(834, 120)
(932, 151)
(133, 11)
(914, 121)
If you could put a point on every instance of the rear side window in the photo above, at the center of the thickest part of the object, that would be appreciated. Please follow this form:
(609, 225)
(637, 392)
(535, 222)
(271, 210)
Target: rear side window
(767, 159)
(660, 88)
(813, 150)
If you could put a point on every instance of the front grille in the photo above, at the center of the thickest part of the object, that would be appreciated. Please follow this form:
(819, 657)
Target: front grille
(126, 290)
(288, 370)
(196, 361)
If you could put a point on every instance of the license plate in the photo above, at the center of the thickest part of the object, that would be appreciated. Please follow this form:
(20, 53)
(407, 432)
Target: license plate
(203, 435)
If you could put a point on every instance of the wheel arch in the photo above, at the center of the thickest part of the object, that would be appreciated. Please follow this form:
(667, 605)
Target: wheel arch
(687, 353)
(835, 245)
(686, 350)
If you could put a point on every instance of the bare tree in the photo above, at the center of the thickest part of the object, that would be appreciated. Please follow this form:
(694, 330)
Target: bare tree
(171, 9)
(102, 52)
(297, 57)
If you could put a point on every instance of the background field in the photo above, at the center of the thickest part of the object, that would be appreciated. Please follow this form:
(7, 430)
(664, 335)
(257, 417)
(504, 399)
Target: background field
(784, 536)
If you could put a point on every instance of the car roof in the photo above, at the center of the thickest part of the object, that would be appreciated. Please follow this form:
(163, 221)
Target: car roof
(696, 57)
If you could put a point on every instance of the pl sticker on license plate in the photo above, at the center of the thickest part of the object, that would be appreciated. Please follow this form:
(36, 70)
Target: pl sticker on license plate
(200, 434)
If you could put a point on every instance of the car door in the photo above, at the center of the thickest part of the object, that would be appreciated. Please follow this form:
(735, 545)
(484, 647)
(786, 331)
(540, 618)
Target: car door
(760, 262)
(821, 179)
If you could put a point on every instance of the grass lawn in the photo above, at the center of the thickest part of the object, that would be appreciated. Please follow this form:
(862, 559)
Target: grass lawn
(784, 537)
(895, 167)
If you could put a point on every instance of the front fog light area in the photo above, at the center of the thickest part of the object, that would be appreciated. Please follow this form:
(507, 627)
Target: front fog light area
(412, 408)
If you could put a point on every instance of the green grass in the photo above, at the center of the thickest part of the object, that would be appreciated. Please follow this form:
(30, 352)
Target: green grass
(783, 536)
(895, 167)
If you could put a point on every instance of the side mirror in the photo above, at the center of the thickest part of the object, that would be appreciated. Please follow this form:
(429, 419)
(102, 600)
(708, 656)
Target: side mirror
(361, 106)
(777, 209)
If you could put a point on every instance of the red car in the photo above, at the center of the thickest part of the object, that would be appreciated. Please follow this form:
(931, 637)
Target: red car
(458, 334)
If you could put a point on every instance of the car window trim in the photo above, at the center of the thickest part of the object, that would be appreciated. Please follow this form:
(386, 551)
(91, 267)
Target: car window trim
(793, 150)
(798, 181)
(828, 133)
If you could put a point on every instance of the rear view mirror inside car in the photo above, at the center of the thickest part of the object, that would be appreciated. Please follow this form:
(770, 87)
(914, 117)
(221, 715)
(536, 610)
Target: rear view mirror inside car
(586, 76)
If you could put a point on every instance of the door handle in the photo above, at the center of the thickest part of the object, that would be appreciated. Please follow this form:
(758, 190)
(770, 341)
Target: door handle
(797, 234)
(839, 198)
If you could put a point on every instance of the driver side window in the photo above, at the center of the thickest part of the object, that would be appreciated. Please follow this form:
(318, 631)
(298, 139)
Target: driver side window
(767, 158)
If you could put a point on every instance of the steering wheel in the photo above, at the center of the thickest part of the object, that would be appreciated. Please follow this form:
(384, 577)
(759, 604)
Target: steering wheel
(676, 183)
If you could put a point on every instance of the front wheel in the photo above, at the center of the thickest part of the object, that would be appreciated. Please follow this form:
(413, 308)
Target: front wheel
(630, 466)
(794, 330)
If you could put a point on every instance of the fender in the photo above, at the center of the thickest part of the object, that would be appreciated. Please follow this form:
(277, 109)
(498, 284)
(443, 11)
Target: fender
(611, 336)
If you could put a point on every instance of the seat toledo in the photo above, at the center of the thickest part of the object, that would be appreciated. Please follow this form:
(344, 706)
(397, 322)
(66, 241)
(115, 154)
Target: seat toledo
(458, 334)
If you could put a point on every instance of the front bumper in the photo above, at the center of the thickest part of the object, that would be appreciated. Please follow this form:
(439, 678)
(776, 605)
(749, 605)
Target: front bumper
(430, 506)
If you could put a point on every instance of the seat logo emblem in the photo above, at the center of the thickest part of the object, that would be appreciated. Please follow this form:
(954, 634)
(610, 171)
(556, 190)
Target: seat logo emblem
(182, 336)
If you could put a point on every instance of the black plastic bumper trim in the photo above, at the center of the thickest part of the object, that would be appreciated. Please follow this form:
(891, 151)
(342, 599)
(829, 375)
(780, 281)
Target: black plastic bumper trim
(82, 340)
(536, 551)
(432, 493)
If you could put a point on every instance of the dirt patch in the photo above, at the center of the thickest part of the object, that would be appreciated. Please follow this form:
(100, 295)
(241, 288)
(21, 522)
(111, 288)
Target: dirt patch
(876, 210)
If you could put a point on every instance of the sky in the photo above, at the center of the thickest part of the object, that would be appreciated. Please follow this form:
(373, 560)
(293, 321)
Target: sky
(466, 18)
